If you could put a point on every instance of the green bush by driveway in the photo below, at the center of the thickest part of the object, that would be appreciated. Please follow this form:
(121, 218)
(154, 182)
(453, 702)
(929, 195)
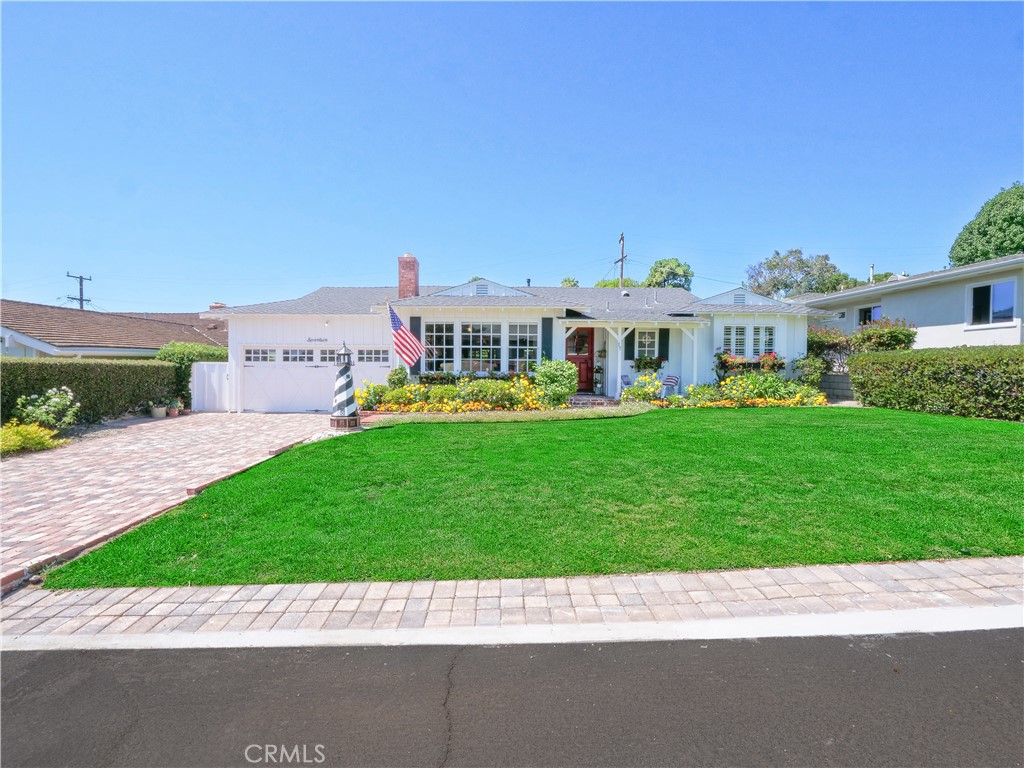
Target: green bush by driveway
(103, 387)
(666, 490)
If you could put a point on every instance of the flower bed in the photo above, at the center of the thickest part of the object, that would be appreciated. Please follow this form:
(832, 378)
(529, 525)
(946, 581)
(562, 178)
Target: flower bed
(468, 395)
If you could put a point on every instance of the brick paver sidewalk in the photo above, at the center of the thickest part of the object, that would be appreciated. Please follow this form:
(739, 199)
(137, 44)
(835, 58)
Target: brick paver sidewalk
(55, 503)
(667, 597)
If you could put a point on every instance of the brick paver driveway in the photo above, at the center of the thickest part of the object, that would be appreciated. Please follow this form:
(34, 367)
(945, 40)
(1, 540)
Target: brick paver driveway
(55, 503)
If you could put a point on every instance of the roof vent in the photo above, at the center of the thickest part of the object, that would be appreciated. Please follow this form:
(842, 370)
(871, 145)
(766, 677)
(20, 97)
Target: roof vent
(482, 289)
(739, 298)
(625, 293)
(217, 305)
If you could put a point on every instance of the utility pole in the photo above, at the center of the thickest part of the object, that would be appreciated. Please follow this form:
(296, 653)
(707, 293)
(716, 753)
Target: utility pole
(82, 301)
(621, 261)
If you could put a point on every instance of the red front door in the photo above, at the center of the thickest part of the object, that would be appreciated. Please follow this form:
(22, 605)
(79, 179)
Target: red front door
(579, 349)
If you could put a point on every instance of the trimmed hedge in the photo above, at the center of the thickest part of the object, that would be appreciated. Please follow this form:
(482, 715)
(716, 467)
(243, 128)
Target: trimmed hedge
(104, 387)
(963, 381)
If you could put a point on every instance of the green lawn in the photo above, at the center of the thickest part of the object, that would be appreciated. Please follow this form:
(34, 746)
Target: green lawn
(667, 490)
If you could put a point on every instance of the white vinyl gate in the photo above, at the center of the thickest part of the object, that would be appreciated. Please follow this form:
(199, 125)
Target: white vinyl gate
(209, 386)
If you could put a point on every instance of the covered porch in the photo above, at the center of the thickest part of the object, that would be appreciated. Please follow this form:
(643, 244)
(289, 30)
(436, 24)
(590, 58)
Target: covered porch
(605, 351)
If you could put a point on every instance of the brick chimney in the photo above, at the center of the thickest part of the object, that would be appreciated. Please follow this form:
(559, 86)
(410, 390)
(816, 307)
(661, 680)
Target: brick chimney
(408, 276)
(217, 305)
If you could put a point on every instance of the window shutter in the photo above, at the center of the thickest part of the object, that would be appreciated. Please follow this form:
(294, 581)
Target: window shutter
(546, 332)
(663, 343)
(414, 329)
(630, 345)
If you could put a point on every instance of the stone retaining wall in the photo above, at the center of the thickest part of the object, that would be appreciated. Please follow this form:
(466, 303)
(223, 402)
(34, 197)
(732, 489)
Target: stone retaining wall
(836, 386)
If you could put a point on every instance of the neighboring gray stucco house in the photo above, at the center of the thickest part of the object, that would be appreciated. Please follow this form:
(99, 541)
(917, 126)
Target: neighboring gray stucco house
(974, 305)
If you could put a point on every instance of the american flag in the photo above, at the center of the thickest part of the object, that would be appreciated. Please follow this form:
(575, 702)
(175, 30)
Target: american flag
(408, 347)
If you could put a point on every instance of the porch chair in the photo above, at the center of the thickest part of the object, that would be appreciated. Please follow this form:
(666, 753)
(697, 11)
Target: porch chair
(626, 382)
(669, 383)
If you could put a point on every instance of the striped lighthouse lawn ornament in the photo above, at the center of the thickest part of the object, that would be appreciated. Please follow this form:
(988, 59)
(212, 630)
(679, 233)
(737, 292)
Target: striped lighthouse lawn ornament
(345, 413)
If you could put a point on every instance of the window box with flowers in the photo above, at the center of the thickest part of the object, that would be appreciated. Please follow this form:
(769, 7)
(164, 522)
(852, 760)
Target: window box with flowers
(645, 363)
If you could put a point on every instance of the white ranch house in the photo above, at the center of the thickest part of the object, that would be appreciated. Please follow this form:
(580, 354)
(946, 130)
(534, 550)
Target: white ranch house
(281, 355)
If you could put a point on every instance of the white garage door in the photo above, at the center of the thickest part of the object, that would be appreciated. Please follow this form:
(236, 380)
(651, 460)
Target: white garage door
(301, 379)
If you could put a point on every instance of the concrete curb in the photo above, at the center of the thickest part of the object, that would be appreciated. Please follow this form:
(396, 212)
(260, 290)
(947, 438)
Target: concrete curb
(928, 620)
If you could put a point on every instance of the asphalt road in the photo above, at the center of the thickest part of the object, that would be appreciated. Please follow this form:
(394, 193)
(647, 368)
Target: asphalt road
(934, 700)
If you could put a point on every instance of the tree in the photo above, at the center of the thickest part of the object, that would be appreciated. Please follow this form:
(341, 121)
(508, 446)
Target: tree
(570, 282)
(792, 273)
(474, 278)
(669, 273)
(997, 230)
(629, 282)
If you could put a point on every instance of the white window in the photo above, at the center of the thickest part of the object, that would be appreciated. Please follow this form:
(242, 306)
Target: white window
(329, 356)
(439, 339)
(735, 340)
(481, 347)
(522, 346)
(992, 303)
(376, 355)
(259, 355)
(647, 343)
(867, 315)
(763, 337)
(297, 355)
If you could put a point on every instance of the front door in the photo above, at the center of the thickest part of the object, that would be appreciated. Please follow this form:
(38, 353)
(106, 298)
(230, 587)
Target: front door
(579, 349)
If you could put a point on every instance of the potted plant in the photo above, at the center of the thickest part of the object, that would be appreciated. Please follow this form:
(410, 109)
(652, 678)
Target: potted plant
(598, 379)
(158, 408)
(174, 406)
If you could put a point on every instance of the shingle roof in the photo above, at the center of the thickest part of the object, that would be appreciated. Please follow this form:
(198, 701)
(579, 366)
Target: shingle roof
(611, 304)
(62, 327)
(323, 301)
(217, 330)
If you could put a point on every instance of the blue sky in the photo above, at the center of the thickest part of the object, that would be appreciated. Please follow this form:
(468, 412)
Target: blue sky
(188, 153)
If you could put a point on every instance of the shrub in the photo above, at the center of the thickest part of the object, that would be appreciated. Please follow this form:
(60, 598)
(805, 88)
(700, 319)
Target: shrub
(182, 354)
(105, 388)
(646, 389)
(16, 437)
(884, 334)
(400, 396)
(371, 395)
(830, 345)
(398, 377)
(986, 382)
(55, 409)
(438, 377)
(558, 380)
(442, 393)
(751, 390)
(497, 394)
(810, 370)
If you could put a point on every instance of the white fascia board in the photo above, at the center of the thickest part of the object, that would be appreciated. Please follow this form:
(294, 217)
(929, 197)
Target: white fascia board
(867, 291)
(29, 341)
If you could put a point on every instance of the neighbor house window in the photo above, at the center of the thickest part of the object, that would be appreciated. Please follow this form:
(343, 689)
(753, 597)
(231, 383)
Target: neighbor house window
(439, 339)
(763, 338)
(481, 347)
(992, 303)
(735, 340)
(297, 355)
(522, 346)
(259, 355)
(647, 343)
(867, 315)
(379, 355)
